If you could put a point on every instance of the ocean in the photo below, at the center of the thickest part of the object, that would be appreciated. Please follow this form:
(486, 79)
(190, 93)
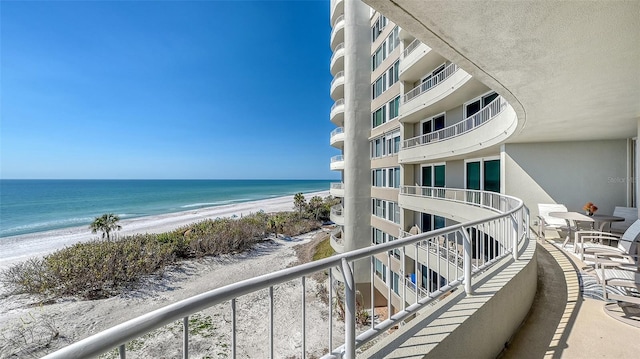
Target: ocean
(29, 206)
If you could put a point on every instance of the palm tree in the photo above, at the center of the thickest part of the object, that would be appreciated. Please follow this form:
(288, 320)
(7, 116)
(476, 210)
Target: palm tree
(274, 222)
(316, 205)
(299, 202)
(105, 224)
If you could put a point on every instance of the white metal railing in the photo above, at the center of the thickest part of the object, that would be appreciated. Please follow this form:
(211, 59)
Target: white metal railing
(339, 47)
(493, 238)
(337, 131)
(337, 103)
(337, 158)
(487, 113)
(338, 19)
(336, 235)
(339, 75)
(412, 46)
(337, 210)
(337, 185)
(430, 83)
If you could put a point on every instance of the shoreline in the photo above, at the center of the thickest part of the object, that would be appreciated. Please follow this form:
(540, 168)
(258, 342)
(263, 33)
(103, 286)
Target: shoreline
(22, 247)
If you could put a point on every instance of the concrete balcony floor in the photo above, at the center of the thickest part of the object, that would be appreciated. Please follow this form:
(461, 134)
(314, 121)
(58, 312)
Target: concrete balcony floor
(563, 323)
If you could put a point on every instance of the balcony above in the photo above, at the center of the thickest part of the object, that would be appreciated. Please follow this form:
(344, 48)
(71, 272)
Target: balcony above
(337, 138)
(337, 32)
(337, 113)
(336, 215)
(337, 163)
(490, 126)
(336, 9)
(336, 240)
(337, 189)
(337, 60)
(337, 86)
(417, 60)
(448, 89)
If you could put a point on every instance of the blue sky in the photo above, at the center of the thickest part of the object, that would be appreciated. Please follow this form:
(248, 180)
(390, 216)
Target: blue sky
(170, 89)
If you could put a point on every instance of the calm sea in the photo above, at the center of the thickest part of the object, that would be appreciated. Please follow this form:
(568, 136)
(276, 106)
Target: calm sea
(28, 206)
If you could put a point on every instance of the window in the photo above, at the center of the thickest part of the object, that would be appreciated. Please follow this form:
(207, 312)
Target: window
(386, 177)
(386, 210)
(433, 176)
(473, 107)
(395, 280)
(432, 222)
(377, 27)
(379, 56)
(386, 145)
(379, 86)
(483, 175)
(394, 108)
(378, 117)
(392, 73)
(393, 39)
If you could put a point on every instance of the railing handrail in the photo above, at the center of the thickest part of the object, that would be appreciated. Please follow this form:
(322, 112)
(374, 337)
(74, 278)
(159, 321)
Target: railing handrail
(337, 103)
(490, 111)
(339, 47)
(337, 185)
(337, 210)
(430, 83)
(338, 19)
(338, 75)
(337, 131)
(337, 158)
(412, 46)
(118, 335)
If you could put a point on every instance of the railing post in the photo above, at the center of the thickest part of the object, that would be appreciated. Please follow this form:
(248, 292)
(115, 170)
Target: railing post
(185, 339)
(518, 231)
(350, 311)
(466, 244)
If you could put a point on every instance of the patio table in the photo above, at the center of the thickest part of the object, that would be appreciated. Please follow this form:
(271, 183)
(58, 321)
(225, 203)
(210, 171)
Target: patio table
(603, 219)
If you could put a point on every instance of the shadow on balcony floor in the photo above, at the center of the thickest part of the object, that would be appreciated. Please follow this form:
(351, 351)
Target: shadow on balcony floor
(564, 323)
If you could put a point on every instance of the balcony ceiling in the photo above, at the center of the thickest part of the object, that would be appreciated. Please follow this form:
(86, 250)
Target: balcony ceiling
(571, 70)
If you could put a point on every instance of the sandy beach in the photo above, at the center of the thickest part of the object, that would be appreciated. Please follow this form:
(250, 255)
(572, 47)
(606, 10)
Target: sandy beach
(18, 248)
(23, 320)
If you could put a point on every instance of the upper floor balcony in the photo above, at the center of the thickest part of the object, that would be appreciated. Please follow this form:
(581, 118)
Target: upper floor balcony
(337, 60)
(443, 91)
(337, 138)
(336, 240)
(336, 8)
(337, 189)
(337, 163)
(337, 86)
(337, 113)
(336, 215)
(490, 126)
(337, 32)
(416, 60)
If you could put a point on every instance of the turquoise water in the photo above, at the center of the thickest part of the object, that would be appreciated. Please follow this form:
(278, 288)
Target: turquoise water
(28, 206)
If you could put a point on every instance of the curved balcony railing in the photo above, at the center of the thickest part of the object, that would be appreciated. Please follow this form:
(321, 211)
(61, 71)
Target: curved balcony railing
(337, 158)
(337, 103)
(336, 235)
(337, 210)
(487, 113)
(412, 46)
(337, 185)
(340, 46)
(338, 75)
(513, 224)
(337, 131)
(430, 83)
(338, 19)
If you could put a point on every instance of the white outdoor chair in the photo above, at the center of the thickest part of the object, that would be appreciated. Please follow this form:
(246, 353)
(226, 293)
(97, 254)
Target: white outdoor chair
(627, 244)
(626, 279)
(545, 221)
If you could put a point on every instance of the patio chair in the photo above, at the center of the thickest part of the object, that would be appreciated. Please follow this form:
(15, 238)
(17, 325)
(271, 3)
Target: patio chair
(629, 214)
(545, 221)
(627, 244)
(626, 280)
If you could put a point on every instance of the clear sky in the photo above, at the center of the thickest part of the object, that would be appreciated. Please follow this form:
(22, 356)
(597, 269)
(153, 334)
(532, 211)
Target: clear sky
(168, 89)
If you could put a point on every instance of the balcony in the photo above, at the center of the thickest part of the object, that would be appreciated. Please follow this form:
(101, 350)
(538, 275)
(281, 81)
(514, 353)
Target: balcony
(337, 113)
(337, 189)
(490, 126)
(337, 138)
(336, 240)
(337, 32)
(336, 215)
(337, 60)
(417, 60)
(337, 163)
(446, 90)
(336, 9)
(337, 86)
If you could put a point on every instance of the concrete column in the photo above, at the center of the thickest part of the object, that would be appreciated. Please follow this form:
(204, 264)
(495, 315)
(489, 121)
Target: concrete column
(357, 172)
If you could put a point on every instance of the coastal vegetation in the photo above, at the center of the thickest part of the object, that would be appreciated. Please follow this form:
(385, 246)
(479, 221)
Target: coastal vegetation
(104, 267)
(106, 223)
